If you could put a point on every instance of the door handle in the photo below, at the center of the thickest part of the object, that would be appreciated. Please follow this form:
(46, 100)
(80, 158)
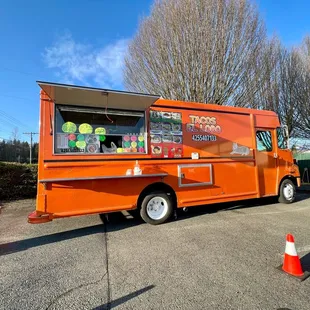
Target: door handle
(182, 175)
(275, 155)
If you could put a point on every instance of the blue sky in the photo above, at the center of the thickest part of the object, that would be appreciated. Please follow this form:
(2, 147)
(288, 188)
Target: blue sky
(83, 42)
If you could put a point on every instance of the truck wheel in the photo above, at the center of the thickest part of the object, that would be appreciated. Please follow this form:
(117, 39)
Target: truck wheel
(156, 208)
(287, 192)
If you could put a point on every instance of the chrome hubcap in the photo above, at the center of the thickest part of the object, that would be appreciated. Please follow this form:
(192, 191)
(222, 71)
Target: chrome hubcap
(157, 208)
(288, 191)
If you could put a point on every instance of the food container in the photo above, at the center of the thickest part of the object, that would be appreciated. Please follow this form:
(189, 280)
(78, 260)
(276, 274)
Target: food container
(156, 139)
(92, 148)
(166, 127)
(167, 138)
(166, 115)
(177, 139)
(176, 127)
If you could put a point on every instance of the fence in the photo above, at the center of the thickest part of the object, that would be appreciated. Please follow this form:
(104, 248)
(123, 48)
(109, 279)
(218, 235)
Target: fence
(304, 168)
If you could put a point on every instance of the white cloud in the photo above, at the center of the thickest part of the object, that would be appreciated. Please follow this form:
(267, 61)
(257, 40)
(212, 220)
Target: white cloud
(74, 62)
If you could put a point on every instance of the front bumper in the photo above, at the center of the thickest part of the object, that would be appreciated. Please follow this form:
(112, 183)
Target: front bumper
(39, 218)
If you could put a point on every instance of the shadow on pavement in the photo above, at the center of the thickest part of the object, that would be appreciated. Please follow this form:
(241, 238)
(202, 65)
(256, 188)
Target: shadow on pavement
(22, 245)
(305, 262)
(118, 221)
(123, 299)
(236, 206)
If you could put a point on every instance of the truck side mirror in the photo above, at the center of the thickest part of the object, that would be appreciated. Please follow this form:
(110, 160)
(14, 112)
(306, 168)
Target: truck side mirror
(285, 131)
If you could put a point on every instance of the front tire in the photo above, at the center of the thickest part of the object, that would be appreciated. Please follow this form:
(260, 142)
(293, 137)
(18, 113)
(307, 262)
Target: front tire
(156, 208)
(287, 192)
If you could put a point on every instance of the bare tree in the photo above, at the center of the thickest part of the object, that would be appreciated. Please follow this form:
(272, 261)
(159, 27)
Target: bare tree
(15, 134)
(285, 88)
(203, 50)
(289, 83)
(304, 52)
(14, 141)
(267, 92)
(303, 92)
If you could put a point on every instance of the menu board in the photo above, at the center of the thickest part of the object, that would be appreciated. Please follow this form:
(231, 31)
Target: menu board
(166, 134)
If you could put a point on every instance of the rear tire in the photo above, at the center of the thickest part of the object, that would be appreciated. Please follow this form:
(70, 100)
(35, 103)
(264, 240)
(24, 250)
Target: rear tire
(156, 208)
(287, 192)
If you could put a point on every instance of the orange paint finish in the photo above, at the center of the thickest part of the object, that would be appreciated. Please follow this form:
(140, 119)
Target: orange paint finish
(228, 165)
(285, 166)
(36, 217)
(271, 121)
(192, 176)
(95, 195)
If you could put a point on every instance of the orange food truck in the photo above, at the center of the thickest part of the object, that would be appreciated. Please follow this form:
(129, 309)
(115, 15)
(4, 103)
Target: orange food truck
(103, 151)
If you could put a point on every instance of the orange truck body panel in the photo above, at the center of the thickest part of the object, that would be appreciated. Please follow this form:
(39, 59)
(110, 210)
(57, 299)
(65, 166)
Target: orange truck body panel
(207, 172)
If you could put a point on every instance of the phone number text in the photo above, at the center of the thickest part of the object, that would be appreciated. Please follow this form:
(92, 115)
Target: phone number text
(204, 138)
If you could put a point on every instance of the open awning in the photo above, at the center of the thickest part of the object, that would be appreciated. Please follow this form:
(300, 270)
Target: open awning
(96, 97)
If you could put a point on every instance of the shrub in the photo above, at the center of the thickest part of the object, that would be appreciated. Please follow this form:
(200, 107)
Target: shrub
(17, 181)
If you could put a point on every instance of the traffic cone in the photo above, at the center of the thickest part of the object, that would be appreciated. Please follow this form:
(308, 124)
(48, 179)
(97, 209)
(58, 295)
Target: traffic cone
(291, 262)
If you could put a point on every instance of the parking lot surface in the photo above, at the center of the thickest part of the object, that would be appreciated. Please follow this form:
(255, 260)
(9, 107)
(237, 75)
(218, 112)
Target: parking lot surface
(212, 257)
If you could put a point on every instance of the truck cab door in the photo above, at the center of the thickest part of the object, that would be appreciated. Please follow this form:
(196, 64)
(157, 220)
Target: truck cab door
(266, 161)
(285, 157)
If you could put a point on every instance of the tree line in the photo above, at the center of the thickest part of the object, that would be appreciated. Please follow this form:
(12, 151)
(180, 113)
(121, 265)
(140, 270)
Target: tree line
(213, 51)
(17, 151)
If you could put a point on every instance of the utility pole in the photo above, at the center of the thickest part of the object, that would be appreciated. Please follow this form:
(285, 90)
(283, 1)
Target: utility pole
(31, 134)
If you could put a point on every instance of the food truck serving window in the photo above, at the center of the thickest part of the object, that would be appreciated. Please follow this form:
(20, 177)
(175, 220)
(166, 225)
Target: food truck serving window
(93, 131)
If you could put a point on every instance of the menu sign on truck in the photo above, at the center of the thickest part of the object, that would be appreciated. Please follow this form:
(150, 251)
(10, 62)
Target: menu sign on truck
(166, 134)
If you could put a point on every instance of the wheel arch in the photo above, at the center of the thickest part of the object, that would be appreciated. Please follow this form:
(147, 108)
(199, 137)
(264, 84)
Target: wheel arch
(158, 187)
(287, 177)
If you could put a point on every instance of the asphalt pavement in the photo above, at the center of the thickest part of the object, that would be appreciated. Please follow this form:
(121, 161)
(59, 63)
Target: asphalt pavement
(212, 257)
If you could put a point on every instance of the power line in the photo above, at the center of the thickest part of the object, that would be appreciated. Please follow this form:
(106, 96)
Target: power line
(16, 97)
(12, 118)
(31, 134)
(17, 71)
(7, 124)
